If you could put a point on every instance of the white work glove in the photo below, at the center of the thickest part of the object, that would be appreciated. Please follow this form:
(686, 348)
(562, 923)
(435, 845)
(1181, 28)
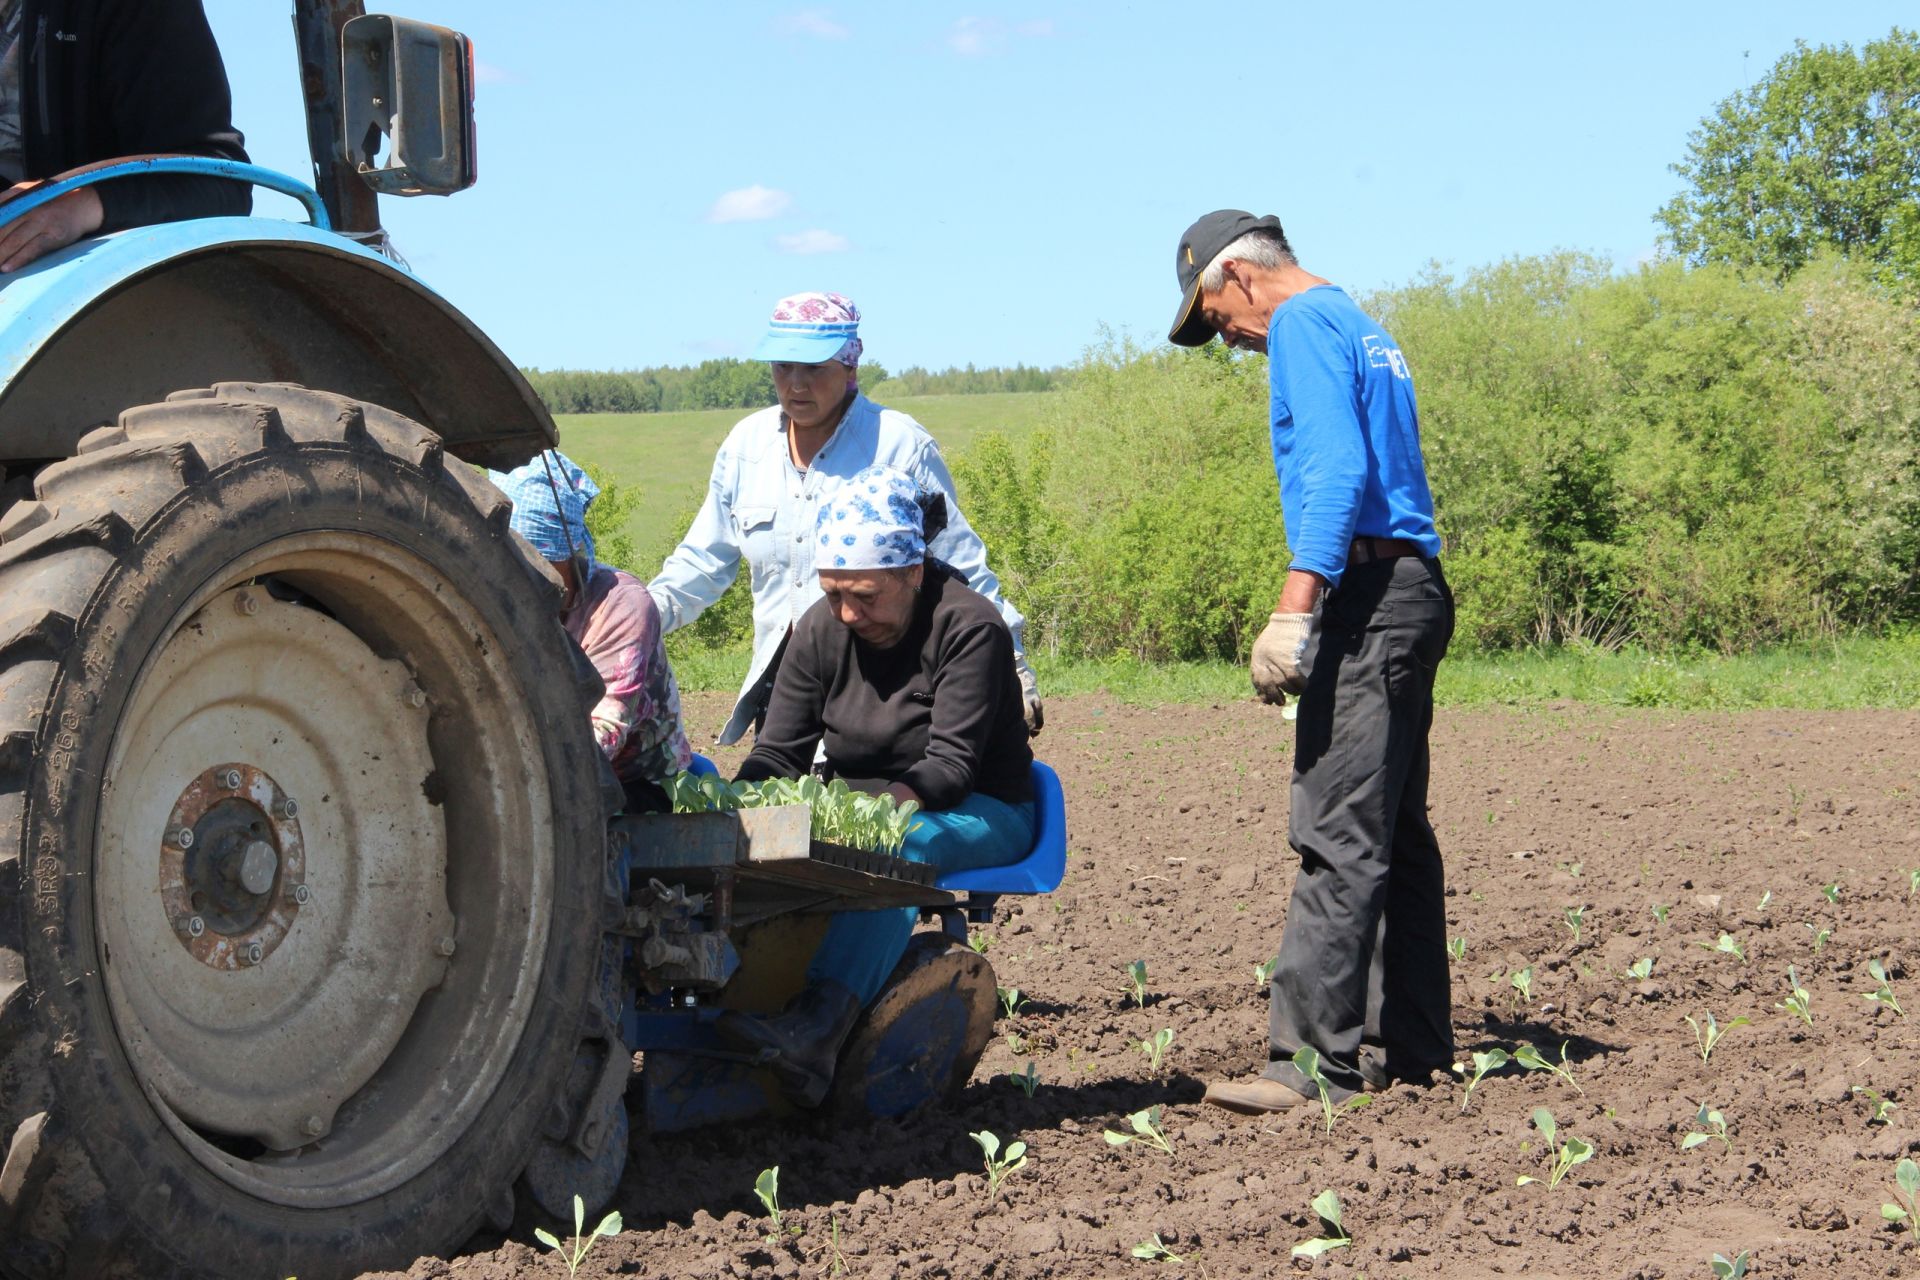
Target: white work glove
(1030, 696)
(1279, 654)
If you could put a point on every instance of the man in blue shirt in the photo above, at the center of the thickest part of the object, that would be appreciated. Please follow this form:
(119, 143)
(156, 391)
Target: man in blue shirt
(1358, 632)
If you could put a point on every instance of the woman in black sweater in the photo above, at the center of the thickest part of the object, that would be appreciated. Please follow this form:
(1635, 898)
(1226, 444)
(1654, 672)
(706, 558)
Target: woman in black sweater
(906, 677)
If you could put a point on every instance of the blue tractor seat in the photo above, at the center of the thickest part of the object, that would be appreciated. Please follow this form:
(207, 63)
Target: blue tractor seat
(1041, 870)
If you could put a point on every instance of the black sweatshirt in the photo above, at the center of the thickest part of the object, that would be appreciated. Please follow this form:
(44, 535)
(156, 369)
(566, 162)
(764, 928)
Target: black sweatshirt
(101, 79)
(939, 711)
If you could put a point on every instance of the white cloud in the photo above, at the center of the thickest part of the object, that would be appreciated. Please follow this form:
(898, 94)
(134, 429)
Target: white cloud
(975, 37)
(813, 241)
(749, 204)
(813, 22)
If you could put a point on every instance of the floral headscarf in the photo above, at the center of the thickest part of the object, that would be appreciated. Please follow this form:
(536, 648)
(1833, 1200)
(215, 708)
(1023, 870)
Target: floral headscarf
(872, 521)
(814, 319)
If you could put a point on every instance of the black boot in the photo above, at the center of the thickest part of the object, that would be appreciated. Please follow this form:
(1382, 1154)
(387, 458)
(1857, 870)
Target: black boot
(805, 1038)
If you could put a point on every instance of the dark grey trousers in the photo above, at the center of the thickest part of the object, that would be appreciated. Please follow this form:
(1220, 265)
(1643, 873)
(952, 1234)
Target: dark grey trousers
(1364, 957)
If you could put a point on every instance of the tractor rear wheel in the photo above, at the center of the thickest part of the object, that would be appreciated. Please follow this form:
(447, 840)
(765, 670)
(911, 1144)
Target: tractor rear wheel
(301, 845)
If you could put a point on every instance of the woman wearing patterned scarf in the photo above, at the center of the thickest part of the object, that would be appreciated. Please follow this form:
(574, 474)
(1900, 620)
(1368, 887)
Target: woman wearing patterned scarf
(610, 615)
(904, 675)
(772, 475)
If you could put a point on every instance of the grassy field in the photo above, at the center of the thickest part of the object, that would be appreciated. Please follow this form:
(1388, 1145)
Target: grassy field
(668, 456)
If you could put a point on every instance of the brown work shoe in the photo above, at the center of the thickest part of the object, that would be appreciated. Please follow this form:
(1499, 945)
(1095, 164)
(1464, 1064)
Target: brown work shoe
(1255, 1096)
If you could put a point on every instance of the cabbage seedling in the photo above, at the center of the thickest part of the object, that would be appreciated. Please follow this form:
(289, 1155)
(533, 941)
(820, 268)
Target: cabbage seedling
(1913, 883)
(1327, 1205)
(979, 942)
(1831, 892)
(1716, 1128)
(582, 1241)
(999, 1166)
(766, 1189)
(1010, 999)
(1797, 1002)
(1881, 1107)
(1028, 1080)
(1766, 900)
(1820, 936)
(1155, 1047)
(1907, 1175)
(1734, 1268)
(1728, 945)
(1660, 912)
(1574, 918)
(1456, 949)
(1155, 1250)
(1884, 993)
(1704, 1038)
(1521, 980)
(1533, 1060)
(1146, 1128)
(1136, 988)
(1263, 973)
(1640, 970)
(1565, 1155)
(1483, 1064)
(1307, 1060)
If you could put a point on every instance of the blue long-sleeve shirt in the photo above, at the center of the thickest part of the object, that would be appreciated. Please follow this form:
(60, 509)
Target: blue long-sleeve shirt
(1346, 432)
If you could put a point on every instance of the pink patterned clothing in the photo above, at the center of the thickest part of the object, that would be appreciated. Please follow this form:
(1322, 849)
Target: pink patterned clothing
(637, 722)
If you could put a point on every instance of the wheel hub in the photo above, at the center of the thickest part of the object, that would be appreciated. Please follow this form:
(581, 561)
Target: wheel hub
(232, 866)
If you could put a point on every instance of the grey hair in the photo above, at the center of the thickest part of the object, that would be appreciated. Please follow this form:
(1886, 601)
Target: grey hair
(1261, 248)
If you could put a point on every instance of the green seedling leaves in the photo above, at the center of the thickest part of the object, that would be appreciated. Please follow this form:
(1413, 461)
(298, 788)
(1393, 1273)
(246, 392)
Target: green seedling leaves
(1907, 1175)
(979, 942)
(1913, 883)
(1766, 900)
(1565, 1155)
(1456, 950)
(1714, 1127)
(1640, 970)
(1307, 1060)
(840, 815)
(1727, 945)
(1327, 1205)
(1574, 918)
(1798, 1002)
(1155, 1047)
(1028, 1080)
(1263, 973)
(1820, 935)
(999, 1165)
(1010, 999)
(1521, 980)
(1734, 1268)
(1883, 995)
(766, 1189)
(1153, 1250)
(1707, 1036)
(1146, 1129)
(1533, 1060)
(1136, 984)
(1881, 1107)
(1483, 1065)
(610, 1225)
(1831, 892)
(1660, 912)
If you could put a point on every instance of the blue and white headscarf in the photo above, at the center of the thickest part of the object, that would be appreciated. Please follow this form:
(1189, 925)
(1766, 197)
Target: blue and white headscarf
(872, 521)
(537, 516)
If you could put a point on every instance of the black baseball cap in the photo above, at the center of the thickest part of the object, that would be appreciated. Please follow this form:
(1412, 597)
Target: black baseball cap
(1200, 245)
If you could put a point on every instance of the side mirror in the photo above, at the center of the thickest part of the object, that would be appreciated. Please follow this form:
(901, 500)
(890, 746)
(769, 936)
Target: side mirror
(408, 93)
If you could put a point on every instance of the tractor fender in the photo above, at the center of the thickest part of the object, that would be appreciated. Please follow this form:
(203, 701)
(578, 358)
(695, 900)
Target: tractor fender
(129, 318)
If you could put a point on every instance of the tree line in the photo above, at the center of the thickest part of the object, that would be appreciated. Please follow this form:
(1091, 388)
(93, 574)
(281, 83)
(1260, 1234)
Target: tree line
(747, 384)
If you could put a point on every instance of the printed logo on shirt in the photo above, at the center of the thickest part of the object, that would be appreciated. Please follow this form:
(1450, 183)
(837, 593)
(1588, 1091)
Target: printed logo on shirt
(1382, 355)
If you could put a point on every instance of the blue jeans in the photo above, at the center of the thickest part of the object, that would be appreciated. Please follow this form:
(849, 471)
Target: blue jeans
(861, 947)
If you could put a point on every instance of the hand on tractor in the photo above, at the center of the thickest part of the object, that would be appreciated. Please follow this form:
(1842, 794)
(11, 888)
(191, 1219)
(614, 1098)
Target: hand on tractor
(1278, 655)
(54, 225)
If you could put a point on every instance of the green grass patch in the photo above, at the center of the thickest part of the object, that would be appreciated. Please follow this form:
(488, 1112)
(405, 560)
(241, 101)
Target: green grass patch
(1864, 672)
(668, 456)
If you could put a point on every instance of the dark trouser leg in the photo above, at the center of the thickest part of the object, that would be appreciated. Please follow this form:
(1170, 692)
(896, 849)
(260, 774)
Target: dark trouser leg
(1364, 953)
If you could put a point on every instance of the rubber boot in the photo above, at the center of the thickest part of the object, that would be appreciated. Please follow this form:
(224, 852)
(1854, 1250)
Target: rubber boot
(805, 1038)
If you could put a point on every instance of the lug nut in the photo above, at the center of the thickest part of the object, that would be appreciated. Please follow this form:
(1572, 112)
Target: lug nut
(229, 779)
(414, 696)
(314, 1126)
(252, 953)
(286, 808)
(195, 926)
(246, 604)
(181, 837)
(302, 895)
(445, 946)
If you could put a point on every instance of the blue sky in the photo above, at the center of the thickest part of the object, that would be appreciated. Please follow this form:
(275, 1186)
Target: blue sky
(997, 184)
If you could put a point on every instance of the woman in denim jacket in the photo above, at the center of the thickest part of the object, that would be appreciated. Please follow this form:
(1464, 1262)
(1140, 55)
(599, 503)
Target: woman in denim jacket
(774, 470)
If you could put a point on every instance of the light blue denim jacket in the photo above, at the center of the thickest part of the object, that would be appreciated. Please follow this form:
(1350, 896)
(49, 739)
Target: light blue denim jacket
(759, 505)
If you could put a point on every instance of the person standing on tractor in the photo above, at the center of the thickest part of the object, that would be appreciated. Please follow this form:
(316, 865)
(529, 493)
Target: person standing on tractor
(905, 676)
(773, 473)
(609, 614)
(1360, 627)
(86, 81)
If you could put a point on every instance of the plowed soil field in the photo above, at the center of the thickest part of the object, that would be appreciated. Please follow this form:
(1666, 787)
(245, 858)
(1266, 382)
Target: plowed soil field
(1723, 848)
